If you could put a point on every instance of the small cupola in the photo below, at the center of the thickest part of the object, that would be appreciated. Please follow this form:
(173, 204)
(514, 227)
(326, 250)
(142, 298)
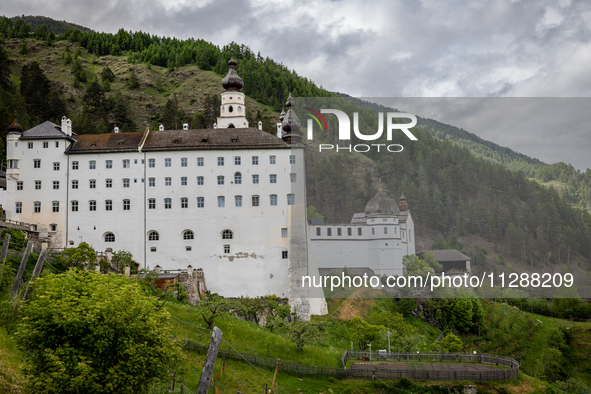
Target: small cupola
(15, 127)
(403, 205)
(381, 205)
(232, 81)
(291, 124)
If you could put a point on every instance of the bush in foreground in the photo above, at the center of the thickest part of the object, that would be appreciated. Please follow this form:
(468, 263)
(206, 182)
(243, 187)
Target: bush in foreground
(87, 332)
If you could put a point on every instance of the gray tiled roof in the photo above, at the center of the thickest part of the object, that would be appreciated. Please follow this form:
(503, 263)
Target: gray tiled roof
(103, 143)
(45, 130)
(447, 255)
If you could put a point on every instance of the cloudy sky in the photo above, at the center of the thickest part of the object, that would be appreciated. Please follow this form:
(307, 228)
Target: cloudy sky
(383, 48)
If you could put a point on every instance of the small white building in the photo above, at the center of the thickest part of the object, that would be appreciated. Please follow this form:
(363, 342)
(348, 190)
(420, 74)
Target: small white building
(374, 242)
(230, 200)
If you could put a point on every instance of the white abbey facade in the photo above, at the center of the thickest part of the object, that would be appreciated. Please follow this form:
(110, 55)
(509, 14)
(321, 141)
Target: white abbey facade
(229, 200)
(376, 239)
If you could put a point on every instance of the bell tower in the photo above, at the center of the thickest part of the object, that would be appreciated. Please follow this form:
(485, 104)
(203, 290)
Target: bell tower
(233, 110)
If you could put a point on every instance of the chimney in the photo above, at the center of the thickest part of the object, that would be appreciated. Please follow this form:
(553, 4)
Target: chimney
(260, 125)
(215, 125)
(279, 130)
(157, 270)
(64, 125)
(161, 128)
(190, 271)
(185, 126)
(127, 270)
(69, 124)
(116, 130)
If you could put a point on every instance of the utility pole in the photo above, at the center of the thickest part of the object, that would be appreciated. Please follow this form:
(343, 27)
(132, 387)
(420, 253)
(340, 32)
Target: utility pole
(212, 354)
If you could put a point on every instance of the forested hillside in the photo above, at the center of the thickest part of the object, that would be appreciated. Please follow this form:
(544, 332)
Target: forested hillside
(137, 80)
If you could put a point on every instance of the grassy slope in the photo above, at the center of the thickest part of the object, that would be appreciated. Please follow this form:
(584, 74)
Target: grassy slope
(11, 377)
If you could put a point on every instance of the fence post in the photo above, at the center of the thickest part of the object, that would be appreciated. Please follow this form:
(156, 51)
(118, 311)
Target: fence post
(5, 248)
(212, 354)
(21, 270)
(36, 273)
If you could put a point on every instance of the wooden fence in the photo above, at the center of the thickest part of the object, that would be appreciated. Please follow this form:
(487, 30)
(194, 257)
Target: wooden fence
(371, 373)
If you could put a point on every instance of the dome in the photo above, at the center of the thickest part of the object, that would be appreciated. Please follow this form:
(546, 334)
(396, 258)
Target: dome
(290, 123)
(15, 127)
(232, 80)
(381, 204)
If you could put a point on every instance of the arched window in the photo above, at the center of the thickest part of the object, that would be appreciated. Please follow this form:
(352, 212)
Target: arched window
(153, 236)
(109, 237)
(231, 126)
(188, 234)
(227, 234)
(238, 178)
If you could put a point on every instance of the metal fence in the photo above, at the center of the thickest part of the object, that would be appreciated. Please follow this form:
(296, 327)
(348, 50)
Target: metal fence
(416, 372)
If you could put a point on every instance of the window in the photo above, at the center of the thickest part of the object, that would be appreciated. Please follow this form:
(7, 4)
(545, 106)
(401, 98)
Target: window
(56, 185)
(184, 181)
(187, 248)
(74, 184)
(183, 161)
(92, 183)
(37, 207)
(220, 161)
(255, 160)
(109, 237)
(255, 179)
(273, 199)
(45, 145)
(221, 201)
(92, 164)
(200, 162)
(108, 205)
(188, 234)
(238, 201)
(126, 205)
(184, 202)
(19, 207)
(153, 236)
(200, 202)
(220, 180)
(237, 178)
(272, 159)
(349, 231)
(53, 227)
(167, 181)
(255, 201)
(92, 205)
(385, 230)
(226, 248)
(292, 178)
(373, 231)
(167, 203)
(283, 232)
(125, 163)
(237, 160)
(109, 164)
(56, 166)
(126, 183)
(151, 182)
(19, 185)
(151, 203)
(318, 231)
(167, 162)
(329, 232)
(74, 165)
(74, 206)
(290, 199)
(12, 163)
(151, 163)
(152, 249)
(273, 178)
(37, 163)
(359, 231)
(227, 234)
(37, 185)
(284, 254)
(30, 145)
(108, 183)
(292, 159)
(200, 180)
(339, 232)
(57, 144)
